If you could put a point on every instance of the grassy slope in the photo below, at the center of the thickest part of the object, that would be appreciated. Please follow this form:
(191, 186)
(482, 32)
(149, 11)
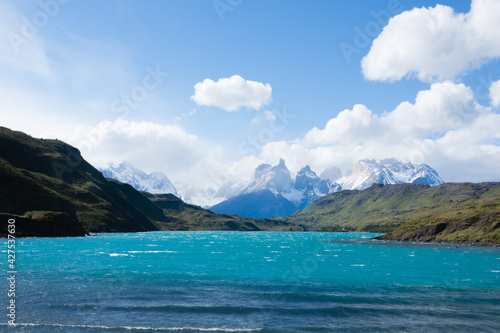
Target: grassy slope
(473, 221)
(50, 175)
(384, 208)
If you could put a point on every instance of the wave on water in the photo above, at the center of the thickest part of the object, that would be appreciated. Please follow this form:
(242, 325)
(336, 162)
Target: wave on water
(134, 328)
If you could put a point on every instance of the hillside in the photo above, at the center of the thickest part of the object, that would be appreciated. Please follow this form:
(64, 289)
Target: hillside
(479, 223)
(384, 208)
(52, 191)
(197, 218)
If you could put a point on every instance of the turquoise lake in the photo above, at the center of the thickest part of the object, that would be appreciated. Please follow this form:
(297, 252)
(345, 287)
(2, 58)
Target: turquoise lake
(251, 282)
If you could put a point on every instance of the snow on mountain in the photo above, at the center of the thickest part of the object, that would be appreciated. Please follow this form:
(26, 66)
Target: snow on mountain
(275, 191)
(273, 188)
(310, 186)
(365, 173)
(155, 182)
(276, 179)
(270, 193)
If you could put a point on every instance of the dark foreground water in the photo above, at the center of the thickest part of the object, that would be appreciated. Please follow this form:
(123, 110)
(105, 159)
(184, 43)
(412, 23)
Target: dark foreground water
(251, 282)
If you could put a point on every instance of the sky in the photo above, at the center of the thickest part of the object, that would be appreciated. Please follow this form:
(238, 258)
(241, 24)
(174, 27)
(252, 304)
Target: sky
(207, 90)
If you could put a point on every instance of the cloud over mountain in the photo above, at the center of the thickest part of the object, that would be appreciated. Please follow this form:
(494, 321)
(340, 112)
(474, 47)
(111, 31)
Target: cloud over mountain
(444, 127)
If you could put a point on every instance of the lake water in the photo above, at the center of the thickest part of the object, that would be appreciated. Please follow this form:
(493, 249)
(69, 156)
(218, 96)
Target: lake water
(251, 282)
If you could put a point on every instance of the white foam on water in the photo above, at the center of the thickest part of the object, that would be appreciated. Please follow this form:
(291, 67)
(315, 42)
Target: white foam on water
(151, 251)
(138, 328)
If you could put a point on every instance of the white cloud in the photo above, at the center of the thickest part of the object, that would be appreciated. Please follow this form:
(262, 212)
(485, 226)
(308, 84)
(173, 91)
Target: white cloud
(350, 125)
(232, 93)
(266, 116)
(445, 127)
(435, 43)
(143, 144)
(443, 107)
(495, 93)
(152, 147)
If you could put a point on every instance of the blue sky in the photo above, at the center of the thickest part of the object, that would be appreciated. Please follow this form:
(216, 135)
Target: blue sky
(70, 76)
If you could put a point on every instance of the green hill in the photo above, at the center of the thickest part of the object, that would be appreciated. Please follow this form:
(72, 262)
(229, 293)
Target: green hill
(471, 212)
(50, 190)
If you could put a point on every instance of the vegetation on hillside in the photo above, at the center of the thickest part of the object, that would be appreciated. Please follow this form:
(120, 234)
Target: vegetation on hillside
(458, 212)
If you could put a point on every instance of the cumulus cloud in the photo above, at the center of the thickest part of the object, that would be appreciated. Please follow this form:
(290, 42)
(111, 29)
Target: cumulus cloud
(435, 43)
(445, 127)
(232, 94)
(147, 146)
(495, 93)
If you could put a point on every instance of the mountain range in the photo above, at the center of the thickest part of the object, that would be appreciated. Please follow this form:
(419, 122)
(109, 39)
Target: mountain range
(272, 191)
(50, 190)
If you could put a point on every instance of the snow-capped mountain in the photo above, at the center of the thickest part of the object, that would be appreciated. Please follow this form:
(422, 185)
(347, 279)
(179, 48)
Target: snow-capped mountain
(276, 178)
(272, 191)
(365, 173)
(310, 186)
(155, 182)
